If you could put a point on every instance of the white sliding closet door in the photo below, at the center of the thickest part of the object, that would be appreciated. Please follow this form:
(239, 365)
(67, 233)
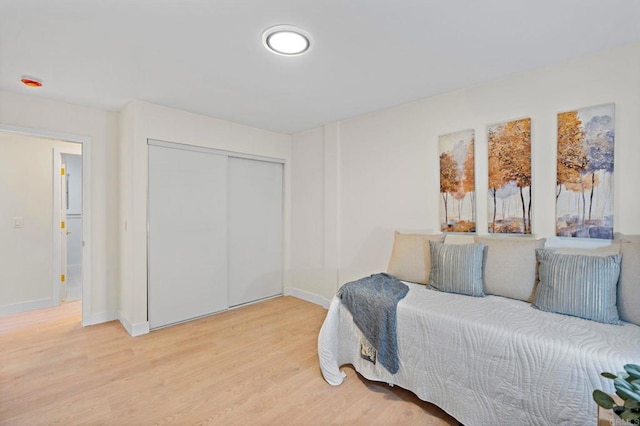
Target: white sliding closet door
(255, 230)
(187, 235)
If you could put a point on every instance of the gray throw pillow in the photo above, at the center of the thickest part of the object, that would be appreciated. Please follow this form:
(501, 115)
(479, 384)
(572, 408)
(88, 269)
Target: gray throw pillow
(579, 285)
(457, 268)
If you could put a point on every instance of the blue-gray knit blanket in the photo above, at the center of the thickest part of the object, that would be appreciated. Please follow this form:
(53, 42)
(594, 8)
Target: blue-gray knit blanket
(372, 302)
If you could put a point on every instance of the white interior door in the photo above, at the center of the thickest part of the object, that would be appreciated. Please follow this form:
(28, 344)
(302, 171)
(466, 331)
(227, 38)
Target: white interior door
(187, 235)
(63, 222)
(72, 204)
(255, 230)
(63, 228)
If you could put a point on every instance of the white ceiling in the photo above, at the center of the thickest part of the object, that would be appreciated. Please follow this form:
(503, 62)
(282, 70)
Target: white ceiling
(206, 56)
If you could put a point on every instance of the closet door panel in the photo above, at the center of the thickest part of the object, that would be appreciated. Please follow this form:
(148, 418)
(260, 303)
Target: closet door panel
(187, 235)
(255, 230)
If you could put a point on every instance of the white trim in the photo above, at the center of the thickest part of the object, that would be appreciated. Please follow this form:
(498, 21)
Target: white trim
(233, 154)
(101, 317)
(30, 305)
(86, 230)
(309, 297)
(86, 203)
(57, 218)
(134, 329)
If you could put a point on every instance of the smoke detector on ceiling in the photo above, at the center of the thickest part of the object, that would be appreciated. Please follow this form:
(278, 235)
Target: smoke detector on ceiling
(31, 82)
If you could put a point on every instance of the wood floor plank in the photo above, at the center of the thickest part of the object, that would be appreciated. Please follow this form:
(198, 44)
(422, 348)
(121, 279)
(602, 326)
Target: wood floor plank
(253, 365)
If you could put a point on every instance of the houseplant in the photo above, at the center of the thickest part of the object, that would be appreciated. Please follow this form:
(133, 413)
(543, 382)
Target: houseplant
(627, 388)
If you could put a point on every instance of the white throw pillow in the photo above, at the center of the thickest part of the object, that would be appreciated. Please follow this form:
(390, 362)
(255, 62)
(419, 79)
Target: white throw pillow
(510, 266)
(410, 259)
(629, 284)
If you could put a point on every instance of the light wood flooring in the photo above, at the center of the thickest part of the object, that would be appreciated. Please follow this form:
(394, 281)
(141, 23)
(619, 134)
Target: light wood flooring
(253, 365)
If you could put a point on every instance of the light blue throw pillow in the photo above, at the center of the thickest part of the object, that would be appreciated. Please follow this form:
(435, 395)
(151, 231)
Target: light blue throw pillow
(457, 268)
(579, 285)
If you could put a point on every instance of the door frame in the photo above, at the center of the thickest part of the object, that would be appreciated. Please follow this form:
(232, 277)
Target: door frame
(85, 141)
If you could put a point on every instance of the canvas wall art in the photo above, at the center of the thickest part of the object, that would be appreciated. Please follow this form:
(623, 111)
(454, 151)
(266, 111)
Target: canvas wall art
(509, 169)
(584, 191)
(457, 182)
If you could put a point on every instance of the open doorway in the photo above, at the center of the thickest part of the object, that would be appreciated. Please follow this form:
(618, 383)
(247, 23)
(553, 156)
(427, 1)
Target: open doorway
(43, 220)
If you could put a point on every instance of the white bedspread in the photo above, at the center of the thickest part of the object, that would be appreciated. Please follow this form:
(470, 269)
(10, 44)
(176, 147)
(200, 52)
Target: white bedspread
(491, 360)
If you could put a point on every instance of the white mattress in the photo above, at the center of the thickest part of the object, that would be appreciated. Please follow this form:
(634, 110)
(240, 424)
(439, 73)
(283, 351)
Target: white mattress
(491, 360)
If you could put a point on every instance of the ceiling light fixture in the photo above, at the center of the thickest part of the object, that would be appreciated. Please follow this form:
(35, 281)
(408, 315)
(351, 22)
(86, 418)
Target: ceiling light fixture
(286, 40)
(31, 82)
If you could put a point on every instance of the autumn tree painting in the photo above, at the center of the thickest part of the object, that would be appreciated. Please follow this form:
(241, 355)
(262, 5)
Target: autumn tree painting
(509, 147)
(584, 180)
(457, 182)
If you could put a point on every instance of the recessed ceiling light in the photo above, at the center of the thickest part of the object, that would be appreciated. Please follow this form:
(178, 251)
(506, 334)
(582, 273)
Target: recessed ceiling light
(286, 40)
(31, 82)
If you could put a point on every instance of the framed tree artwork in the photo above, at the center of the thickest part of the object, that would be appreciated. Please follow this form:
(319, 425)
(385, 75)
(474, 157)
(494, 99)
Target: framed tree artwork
(457, 182)
(509, 168)
(584, 183)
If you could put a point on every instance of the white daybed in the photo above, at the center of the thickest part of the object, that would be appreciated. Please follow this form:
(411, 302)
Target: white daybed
(490, 360)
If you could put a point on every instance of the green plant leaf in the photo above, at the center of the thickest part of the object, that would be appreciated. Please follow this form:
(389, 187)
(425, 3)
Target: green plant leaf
(621, 383)
(627, 394)
(633, 370)
(632, 404)
(629, 415)
(602, 399)
(609, 375)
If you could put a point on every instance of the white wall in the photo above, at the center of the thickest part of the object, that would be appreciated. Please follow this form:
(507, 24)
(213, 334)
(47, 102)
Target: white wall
(100, 126)
(385, 165)
(315, 220)
(27, 253)
(140, 121)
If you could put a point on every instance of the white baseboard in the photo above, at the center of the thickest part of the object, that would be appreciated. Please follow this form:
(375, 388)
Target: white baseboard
(100, 318)
(29, 305)
(134, 329)
(309, 297)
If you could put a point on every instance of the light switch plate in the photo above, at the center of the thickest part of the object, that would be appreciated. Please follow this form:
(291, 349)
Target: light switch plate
(18, 222)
